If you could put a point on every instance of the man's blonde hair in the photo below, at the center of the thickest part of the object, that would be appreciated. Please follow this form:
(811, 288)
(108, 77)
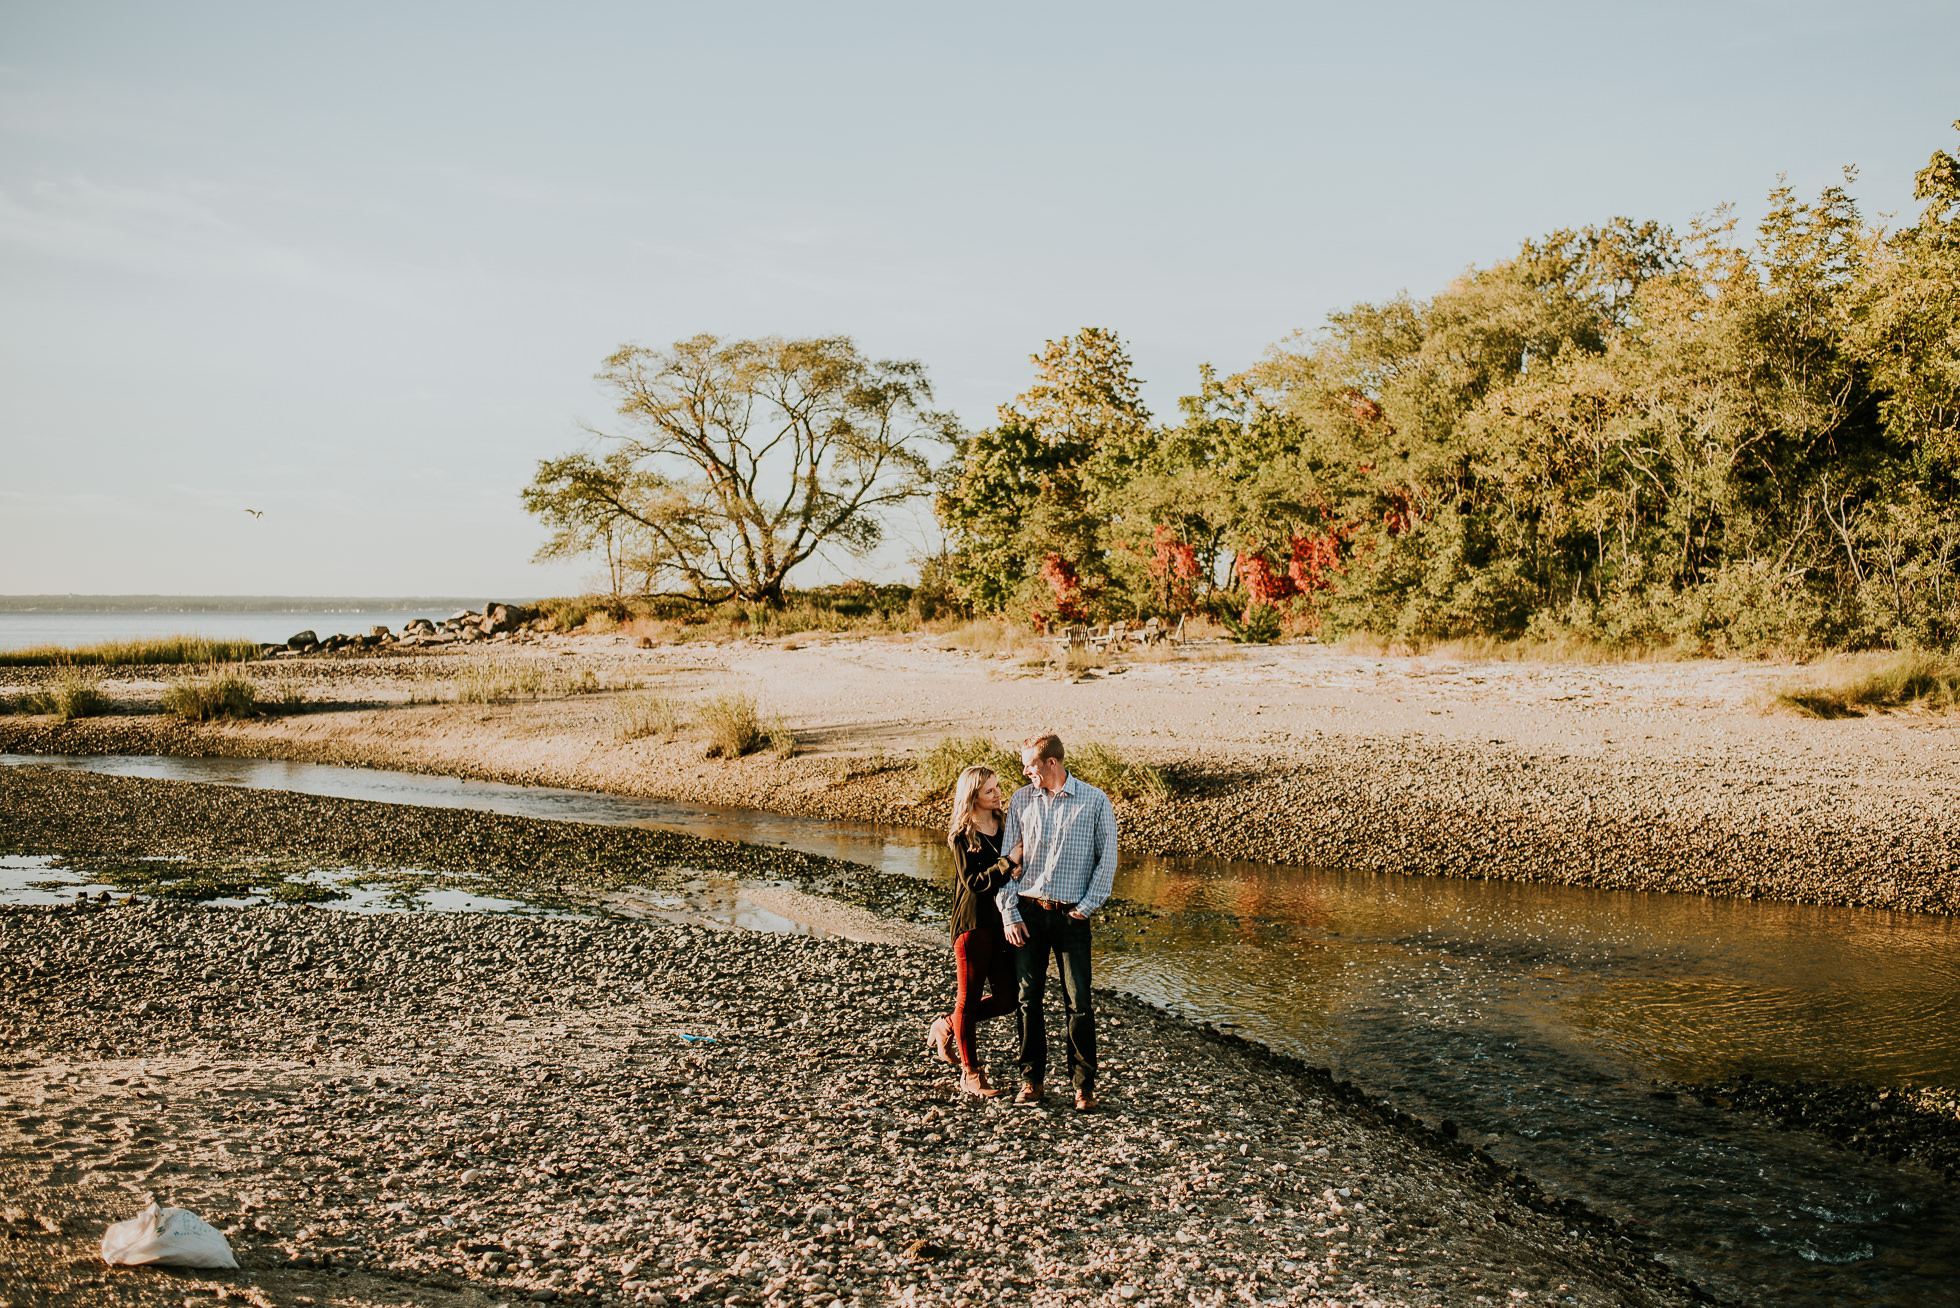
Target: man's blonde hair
(1046, 745)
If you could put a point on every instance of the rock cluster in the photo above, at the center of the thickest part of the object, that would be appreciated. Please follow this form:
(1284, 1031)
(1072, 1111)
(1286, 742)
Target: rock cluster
(466, 1109)
(492, 621)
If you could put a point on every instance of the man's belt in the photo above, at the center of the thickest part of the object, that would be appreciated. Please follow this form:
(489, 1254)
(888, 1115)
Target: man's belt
(1052, 905)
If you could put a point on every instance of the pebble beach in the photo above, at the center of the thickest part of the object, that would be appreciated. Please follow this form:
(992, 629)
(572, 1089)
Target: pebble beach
(453, 1109)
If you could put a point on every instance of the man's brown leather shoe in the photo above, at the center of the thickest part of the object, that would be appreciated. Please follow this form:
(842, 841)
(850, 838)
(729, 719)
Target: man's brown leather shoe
(1028, 1094)
(1085, 1101)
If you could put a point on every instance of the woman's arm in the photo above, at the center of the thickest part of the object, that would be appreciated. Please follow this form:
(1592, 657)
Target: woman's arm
(982, 878)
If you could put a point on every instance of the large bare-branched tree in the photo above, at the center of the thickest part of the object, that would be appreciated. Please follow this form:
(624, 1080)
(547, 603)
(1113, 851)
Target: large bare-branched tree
(740, 460)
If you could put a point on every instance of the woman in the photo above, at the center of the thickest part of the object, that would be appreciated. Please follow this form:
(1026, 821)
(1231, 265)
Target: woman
(980, 953)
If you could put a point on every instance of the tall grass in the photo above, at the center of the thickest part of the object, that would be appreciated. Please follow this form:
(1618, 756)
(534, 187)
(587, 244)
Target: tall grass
(939, 767)
(126, 653)
(997, 636)
(489, 681)
(1103, 767)
(1851, 685)
(72, 696)
(735, 729)
(206, 699)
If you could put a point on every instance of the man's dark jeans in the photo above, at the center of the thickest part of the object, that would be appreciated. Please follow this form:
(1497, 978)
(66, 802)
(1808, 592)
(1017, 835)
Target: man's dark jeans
(1055, 931)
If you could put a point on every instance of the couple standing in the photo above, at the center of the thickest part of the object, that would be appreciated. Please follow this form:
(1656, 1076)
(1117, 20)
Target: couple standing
(1029, 881)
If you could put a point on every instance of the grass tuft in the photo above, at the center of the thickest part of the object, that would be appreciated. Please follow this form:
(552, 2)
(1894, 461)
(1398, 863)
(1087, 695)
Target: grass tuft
(939, 767)
(1120, 778)
(642, 714)
(1853, 685)
(733, 728)
(996, 636)
(72, 696)
(489, 681)
(127, 653)
(206, 699)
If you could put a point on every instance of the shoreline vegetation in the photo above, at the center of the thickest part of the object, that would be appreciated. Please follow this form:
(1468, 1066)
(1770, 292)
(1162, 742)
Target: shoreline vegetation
(1623, 437)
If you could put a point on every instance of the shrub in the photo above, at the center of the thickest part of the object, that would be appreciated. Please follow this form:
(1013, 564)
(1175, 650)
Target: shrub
(637, 716)
(206, 699)
(938, 768)
(125, 653)
(733, 729)
(1259, 626)
(73, 696)
(1849, 687)
(781, 739)
(1104, 768)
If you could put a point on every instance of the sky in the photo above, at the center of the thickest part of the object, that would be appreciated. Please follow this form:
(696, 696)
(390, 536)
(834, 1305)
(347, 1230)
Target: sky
(355, 266)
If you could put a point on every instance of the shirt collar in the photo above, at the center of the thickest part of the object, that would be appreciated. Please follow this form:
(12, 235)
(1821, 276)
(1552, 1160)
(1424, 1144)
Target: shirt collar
(1068, 787)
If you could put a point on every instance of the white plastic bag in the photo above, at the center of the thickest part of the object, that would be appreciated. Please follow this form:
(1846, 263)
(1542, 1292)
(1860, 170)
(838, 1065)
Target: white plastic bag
(167, 1237)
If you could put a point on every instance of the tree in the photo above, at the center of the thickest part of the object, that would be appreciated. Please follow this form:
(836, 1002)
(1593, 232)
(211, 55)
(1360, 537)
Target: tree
(1025, 509)
(742, 459)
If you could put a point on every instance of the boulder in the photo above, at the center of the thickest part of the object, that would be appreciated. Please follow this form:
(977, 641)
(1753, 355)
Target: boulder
(379, 633)
(302, 640)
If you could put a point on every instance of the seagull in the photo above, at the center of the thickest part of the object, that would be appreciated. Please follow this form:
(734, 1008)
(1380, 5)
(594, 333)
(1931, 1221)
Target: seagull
(257, 513)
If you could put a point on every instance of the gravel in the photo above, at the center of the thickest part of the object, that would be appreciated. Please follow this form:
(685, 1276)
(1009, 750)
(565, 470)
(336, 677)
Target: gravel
(475, 1109)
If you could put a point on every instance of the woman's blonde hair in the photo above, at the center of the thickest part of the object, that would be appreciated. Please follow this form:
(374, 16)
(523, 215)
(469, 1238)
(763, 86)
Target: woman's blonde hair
(965, 791)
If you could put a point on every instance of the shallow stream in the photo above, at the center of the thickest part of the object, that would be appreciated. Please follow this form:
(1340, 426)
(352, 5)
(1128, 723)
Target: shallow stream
(1539, 1018)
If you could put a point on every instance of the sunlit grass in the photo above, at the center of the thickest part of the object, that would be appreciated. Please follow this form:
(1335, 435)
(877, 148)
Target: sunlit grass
(125, 653)
(74, 695)
(939, 767)
(643, 714)
(207, 699)
(1105, 768)
(1851, 685)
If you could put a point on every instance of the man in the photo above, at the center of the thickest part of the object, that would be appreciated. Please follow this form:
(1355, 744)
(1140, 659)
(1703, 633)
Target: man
(1066, 831)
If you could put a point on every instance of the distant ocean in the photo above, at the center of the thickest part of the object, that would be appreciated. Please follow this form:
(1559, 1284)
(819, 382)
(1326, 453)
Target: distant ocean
(22, 627)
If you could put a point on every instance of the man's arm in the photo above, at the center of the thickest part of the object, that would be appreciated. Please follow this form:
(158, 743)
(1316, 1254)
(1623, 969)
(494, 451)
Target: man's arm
(1103, 878)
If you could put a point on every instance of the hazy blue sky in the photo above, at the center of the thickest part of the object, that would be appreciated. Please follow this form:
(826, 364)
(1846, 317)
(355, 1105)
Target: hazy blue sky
(354, 265)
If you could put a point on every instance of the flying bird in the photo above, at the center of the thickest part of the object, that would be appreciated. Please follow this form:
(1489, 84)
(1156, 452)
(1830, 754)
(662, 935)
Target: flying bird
(257, 513)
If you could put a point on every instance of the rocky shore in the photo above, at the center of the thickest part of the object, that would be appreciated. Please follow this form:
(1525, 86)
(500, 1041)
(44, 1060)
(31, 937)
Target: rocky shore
(453, 1109)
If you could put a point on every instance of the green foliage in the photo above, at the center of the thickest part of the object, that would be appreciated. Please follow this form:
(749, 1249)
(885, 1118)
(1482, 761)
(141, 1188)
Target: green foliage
(1032, 485)
(1120, 778)
(1617, 437)
(162, 650)
(71, 696)
(1259, 625)
(207, 699)
(939, 767)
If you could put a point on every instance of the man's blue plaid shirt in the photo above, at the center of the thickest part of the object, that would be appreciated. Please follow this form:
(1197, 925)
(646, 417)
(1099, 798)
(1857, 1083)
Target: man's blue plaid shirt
(1071, 847)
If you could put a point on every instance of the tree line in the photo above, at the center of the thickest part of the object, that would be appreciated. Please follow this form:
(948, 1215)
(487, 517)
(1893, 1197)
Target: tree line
(1622, 434)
